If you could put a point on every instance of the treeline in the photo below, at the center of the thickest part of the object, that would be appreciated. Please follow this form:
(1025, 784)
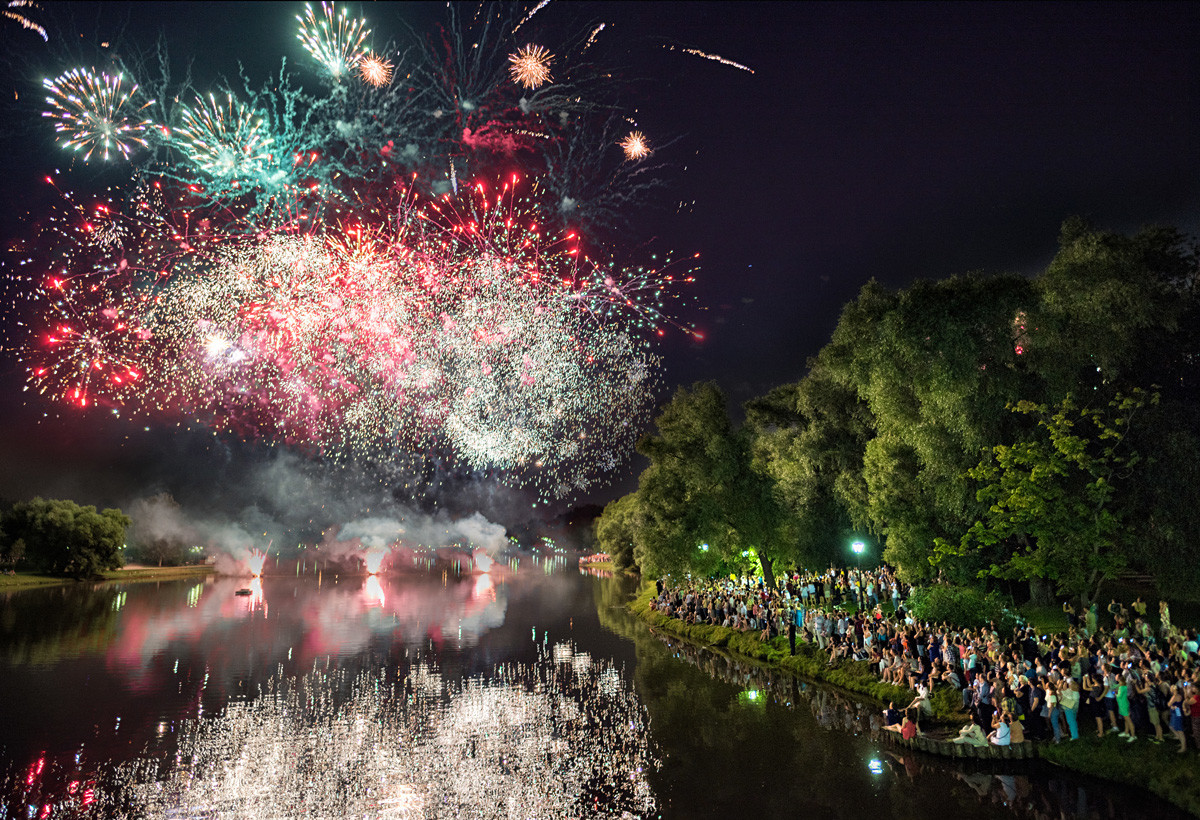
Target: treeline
(61, 537)
(1038, 429)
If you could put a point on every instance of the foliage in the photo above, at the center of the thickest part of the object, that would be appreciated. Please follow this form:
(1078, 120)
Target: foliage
(62, 537)
(701, 506)
(1053, 512)
(1171, 776)
(962, 606)
(616, 530)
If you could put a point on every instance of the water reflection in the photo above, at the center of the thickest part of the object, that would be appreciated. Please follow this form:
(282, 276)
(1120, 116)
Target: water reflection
(555, 738)
(1021, 790)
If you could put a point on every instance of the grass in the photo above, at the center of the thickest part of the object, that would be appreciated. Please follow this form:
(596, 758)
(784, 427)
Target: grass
(808, 662)
(1160, 769)
(25, 580)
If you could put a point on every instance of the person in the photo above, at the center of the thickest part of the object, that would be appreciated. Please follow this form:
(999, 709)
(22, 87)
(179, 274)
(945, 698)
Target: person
(1069, 701)
(1002, 734)
(909, 729)
(891, 717)
(1052, 709)
(1164, 619)
(792, 634)
(971, 735)
(1175, 720)
(1129, 732)
(1016, 731)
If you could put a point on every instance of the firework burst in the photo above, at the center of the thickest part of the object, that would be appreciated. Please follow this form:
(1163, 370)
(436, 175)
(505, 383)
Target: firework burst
(530, 66)
(635, 146)
(96, 112)
(334, 39)
(375, 70)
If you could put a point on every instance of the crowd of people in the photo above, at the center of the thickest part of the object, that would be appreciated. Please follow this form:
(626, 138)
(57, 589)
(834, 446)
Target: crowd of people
(1122, 676)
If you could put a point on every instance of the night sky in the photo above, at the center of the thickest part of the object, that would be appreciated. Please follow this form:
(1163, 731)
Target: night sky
(888, 141)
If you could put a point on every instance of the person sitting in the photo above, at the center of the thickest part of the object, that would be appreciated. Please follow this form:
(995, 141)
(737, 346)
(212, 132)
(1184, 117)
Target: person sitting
(892, 719)
(1016, 731)
(909, 729)
(1002, 734)
(971, 735)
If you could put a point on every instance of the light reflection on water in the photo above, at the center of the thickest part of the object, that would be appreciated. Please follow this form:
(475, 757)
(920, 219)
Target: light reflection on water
(442, 694)
(555, 738)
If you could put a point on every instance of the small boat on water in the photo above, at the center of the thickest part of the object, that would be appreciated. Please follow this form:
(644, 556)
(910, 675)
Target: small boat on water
(244, 591)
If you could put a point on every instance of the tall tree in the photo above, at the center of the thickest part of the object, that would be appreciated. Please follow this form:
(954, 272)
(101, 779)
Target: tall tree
(1054, 511)
(700, 502)
(63, 537)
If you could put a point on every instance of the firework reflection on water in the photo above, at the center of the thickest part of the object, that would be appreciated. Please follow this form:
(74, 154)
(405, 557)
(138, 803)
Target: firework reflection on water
(563, 737)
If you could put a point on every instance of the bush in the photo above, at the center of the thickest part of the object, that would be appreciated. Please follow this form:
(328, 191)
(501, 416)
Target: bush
(962, 607)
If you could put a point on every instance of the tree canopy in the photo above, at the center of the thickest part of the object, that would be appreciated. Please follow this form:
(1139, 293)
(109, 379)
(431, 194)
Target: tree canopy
(60, 536)
(893, 426)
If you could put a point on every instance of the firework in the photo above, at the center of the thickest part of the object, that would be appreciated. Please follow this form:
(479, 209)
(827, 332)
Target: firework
(375, 70)
(333, 39)
(224, 140)
(12, 13)
(318, 271)
(716, 58)
(635, 146)
(530, 66)
(94, 112)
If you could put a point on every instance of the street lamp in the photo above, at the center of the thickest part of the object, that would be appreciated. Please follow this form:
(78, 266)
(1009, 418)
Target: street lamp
(859, 548)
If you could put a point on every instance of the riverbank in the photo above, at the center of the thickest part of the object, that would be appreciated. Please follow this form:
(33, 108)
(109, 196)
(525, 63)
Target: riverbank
(808, 662)
(1160, 769)
(26, 580)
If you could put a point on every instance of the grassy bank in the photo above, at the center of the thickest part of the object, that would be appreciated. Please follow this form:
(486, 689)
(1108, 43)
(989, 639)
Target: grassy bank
(1172, 776)
(25, 580)
(808, 662)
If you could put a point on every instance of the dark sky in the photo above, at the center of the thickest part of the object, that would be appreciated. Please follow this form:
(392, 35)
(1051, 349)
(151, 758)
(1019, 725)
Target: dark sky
(890, 141)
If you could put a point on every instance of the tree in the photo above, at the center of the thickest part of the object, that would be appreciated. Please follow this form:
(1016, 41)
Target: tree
(616, 530)
(1054, 512)
(701, 505)
(809, 439)
(62, 537)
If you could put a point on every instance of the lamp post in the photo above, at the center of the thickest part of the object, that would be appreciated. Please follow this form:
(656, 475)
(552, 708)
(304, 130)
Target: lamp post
(859, 548)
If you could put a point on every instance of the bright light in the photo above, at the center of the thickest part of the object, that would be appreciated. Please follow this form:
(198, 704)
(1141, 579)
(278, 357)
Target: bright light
(859, 547)
(875, 765)
(704, 547)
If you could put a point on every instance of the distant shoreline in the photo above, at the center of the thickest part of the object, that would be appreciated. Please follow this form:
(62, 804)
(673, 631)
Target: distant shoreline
(29, 580)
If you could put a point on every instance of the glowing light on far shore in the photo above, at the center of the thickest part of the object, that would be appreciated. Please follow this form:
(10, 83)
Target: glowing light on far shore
(255, 562)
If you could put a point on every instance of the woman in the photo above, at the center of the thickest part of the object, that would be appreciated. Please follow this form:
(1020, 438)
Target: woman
(1175, 707)
(1124, 710)
(1068, 699)
(1094, 702)
(1052, 709)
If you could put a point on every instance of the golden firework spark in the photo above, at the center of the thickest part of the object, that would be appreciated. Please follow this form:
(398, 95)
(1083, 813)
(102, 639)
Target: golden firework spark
(635, 146)
(530, 66)
(375, 70)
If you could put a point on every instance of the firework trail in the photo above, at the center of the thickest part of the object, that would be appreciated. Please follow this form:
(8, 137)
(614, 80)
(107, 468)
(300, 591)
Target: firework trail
(717, 58)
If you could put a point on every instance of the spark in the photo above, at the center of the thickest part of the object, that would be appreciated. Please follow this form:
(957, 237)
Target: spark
(541, 5)
(714, 57)
(96, 111)
(530, 66)
(375, 70)
(333, 39)
(24, 21)
(635, 146)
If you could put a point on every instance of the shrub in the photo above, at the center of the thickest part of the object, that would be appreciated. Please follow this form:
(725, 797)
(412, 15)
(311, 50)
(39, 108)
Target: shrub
(960, 606)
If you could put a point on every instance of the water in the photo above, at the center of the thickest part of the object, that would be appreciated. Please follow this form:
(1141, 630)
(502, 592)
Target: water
(526, 692)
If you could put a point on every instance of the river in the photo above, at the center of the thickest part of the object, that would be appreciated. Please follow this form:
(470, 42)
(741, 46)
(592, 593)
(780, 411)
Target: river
(525, 692)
